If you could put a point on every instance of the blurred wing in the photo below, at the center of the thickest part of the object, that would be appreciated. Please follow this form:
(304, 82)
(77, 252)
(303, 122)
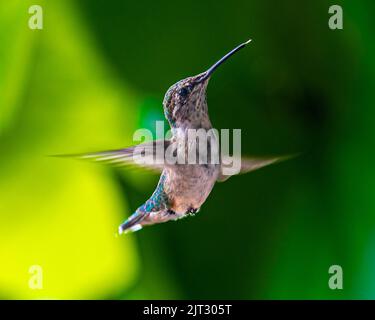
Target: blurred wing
(143, 155)
(250, 164)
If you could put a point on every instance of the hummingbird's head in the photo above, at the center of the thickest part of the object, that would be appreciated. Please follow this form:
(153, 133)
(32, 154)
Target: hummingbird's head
(185, 103)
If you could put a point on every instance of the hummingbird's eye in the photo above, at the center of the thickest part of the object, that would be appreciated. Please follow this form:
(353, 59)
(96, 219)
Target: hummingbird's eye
(183, 92)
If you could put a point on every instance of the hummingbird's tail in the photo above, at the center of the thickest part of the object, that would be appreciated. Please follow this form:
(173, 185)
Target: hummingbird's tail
(142, 216)
(133, 223)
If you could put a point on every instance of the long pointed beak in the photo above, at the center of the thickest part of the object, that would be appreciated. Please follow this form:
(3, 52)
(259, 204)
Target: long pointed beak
(209, 72)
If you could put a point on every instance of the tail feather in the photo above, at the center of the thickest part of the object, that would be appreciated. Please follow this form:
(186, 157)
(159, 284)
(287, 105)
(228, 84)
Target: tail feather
(133, 222)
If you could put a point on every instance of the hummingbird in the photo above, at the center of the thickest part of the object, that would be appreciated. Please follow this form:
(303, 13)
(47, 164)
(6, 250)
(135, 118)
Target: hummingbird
(182, 188)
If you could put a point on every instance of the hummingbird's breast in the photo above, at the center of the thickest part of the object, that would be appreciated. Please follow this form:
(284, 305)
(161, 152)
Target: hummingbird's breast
(188, 186)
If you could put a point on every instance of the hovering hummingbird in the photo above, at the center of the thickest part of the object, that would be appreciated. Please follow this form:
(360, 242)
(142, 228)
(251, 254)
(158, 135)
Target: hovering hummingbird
(182, 188)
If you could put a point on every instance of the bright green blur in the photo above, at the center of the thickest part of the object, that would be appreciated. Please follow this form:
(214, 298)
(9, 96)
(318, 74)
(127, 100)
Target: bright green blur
(98, 71)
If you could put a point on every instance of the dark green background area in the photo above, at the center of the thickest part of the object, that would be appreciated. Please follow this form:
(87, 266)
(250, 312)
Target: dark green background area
(298, 87)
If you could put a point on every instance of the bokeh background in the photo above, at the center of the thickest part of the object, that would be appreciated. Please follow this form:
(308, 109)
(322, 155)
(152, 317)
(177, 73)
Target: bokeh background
(99, 70)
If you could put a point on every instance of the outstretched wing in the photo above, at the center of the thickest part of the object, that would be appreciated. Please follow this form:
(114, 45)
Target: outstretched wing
(249, 164)
(142, 155)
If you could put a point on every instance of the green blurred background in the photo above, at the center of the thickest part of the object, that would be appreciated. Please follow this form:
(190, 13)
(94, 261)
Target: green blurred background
(99, 70)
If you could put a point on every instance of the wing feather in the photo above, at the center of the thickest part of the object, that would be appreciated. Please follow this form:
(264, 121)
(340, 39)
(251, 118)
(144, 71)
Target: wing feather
(249, 164)
(143, 155)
